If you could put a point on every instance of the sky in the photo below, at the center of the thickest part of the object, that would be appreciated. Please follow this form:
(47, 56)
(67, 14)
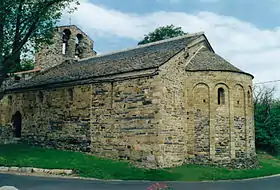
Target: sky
(244, 32)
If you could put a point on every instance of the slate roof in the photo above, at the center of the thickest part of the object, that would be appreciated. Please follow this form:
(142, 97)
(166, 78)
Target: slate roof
(142, 57)
(206, 60)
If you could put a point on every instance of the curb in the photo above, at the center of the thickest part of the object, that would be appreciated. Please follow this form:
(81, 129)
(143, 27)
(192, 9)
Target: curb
(29, 170)
(68, 174)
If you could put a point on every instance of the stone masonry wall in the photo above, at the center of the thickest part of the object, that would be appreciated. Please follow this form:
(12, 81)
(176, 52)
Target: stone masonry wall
(222, 124)
(124, 124)
(51, 55)
(201, 121)
(239, 120)
(6, 134)
(172, 128)
(53, 118)
(6, 131)
(231, 134)
(250, 133)
(5, 109)
(176, 136)
(117, 119)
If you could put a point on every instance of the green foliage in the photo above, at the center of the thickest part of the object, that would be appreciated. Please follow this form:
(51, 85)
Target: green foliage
(27, 64)
(267, 120)
(90, 166)
(25, 25)
(162, 33)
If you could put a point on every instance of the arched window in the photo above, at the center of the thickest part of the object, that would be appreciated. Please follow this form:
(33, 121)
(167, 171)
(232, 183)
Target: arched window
(249, 97)
(79, 38)
(78, 49)
(221, 96)
(65, 38)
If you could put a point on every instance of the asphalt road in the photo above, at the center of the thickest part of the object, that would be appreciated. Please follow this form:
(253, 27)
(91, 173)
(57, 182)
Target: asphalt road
(43, 183)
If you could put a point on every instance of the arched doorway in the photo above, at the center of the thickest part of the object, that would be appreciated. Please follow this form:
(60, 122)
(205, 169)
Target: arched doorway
(16, 119)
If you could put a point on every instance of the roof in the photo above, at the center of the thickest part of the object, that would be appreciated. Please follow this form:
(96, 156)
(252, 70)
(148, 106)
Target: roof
(206, 60)
(142, 57)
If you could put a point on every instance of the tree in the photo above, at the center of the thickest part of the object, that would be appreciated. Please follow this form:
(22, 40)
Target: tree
(162, 33)
(25, 25)
(267, 120)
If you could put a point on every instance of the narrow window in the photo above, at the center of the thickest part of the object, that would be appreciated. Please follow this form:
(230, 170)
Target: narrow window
(78, 49)
(71, 94)
(249, 97)
(221, 96)
(65, 38)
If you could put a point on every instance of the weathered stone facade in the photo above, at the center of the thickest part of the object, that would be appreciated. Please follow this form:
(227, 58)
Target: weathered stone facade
(160, 115)
(6, 134)
(52, 55)
(229, 124)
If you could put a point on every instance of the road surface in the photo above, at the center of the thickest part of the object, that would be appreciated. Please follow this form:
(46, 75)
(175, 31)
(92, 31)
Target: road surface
(44, 183)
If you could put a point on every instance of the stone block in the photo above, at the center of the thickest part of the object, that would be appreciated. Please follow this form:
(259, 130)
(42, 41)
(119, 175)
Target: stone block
(151, 158)
(26, 170)
(4, 169)
(68, 172)
(14, 169)
(8, 188)
(56, 171)
(38, 170)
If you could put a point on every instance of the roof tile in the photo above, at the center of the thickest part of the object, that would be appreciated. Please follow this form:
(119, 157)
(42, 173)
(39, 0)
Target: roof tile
(206, 60)
(142, 57)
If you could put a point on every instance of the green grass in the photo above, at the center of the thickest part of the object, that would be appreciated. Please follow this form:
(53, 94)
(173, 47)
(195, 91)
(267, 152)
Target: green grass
(89, 166)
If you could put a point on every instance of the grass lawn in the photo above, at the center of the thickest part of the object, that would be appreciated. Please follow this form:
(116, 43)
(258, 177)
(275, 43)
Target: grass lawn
(90, 166)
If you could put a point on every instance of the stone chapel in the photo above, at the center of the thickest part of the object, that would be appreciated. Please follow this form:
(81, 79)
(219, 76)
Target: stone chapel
(157, 105)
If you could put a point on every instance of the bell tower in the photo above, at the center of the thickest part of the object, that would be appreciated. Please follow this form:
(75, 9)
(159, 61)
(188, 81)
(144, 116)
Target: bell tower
(69, 42)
